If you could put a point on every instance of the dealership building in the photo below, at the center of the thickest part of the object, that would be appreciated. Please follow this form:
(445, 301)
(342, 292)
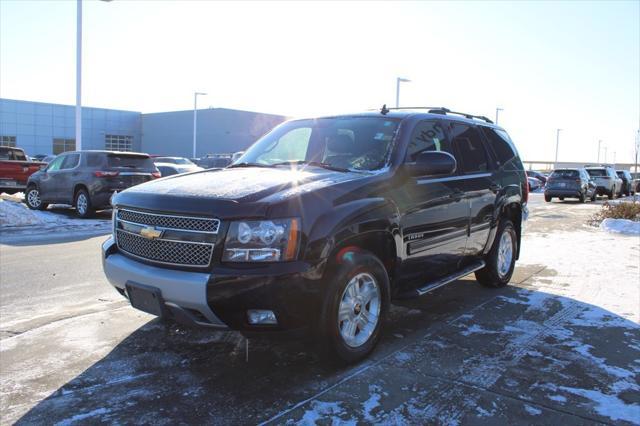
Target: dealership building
(44, 128)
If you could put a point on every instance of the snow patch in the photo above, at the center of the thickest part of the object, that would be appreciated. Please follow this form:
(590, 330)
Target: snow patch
(16, 215)
(620, 226)
(83, 416)
(608, 405)
(532, 410)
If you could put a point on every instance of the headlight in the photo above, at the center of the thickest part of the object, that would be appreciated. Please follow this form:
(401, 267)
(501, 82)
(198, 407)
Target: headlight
(262, 241)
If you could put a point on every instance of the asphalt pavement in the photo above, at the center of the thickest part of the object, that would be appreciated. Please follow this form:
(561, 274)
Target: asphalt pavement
(549, 349)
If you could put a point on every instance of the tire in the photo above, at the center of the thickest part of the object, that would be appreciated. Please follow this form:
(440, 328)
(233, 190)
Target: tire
(612, 194)
(499, 268)
(593, 197)
(33, 200)
(548, 198)
(344, 341)
(82, 201)
(582, 198)
(561, 198)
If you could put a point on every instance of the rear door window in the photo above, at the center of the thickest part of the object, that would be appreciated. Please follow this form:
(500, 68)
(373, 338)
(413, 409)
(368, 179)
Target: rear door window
(572, 174)
(468, 143)
(55, 164)
(70, 161)
(428, 135)
(124, 161)
(94, 160)
(597, 172)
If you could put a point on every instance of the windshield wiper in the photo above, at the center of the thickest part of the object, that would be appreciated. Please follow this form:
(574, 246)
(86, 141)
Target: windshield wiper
(312, 163)
(249, 165)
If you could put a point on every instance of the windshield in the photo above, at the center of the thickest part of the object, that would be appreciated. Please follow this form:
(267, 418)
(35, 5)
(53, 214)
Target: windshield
(565, 174)
(357, 143)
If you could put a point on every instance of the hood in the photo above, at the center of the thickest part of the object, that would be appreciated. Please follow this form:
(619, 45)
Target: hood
(241, 185)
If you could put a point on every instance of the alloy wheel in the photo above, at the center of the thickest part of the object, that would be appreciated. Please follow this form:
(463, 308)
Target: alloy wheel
(359, 309)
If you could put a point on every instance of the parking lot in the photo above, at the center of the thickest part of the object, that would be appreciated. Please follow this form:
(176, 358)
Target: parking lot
(560, 345)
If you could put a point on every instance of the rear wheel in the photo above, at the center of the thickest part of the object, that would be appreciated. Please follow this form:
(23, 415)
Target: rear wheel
(355, 306)
(612, 194)
(501, 259)
(582, 197)
(561, 198)
(84, 208)
(33, 200)
(548, 198)
(593, 196)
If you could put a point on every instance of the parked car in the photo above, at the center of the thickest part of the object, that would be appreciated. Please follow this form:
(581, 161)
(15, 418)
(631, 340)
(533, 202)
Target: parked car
(88, 179)
(15, 169)
(174, 160)
(534, 183)
(48, 159)
(215, 161)
(627, 182)
(39, 157)
(169, 169)
(322, 223)
(607, 181)
(570, 183)
(541, 177)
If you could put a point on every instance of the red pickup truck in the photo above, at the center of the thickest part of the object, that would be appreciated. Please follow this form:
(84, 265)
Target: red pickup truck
(15, 169)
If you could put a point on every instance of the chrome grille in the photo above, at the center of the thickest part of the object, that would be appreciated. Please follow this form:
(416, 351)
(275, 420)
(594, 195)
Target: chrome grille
(165, 251)
(200, 224)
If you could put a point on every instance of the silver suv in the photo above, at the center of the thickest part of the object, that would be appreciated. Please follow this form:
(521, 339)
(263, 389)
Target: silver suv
(607, 181)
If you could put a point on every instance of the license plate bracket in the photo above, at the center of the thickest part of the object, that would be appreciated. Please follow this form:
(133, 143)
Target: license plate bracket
(146, 298)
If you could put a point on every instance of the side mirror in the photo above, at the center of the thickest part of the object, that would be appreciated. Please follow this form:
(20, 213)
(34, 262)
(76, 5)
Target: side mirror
(430, 163)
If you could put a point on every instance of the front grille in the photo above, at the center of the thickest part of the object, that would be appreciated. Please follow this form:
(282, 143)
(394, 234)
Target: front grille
(165, 251)
(173, 222)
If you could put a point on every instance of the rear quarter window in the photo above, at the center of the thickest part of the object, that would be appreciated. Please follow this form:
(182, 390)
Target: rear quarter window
(500, 143)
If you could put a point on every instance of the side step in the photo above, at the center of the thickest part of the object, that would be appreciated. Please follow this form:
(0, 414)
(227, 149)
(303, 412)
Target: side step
(429, 287)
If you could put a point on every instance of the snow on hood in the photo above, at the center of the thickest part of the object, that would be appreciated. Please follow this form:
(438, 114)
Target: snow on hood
(239, 183)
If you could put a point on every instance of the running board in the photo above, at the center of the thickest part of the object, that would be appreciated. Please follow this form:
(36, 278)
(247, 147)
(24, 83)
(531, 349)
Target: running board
(444, 281)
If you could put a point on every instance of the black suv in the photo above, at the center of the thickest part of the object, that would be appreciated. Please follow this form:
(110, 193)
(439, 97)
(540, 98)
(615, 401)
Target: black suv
(322, 223)
(88, 179)
(627, 182)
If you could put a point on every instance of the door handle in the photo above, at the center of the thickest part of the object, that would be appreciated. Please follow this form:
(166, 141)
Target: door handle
(495, 188)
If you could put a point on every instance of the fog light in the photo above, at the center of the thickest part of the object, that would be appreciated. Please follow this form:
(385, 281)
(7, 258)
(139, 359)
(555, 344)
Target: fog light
(260, 316)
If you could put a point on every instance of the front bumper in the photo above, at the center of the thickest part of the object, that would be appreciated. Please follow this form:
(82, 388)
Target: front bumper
(184, 293)
(221, 299)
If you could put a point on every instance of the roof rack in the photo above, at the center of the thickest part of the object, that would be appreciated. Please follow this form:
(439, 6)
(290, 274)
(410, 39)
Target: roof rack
(438, 110)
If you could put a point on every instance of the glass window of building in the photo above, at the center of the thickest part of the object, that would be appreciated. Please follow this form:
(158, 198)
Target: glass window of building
(8, 141)
(118, 143)
(63, 145)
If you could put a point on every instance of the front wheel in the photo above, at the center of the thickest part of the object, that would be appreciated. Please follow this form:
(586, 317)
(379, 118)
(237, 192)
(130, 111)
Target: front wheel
(582, 198)
(612, 194)
(355, 306)
(548, 198)
(33, 200)
(501, 259)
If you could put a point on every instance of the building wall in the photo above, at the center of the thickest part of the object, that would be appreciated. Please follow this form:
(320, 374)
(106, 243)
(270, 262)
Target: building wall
(219, 131)
(36, 124)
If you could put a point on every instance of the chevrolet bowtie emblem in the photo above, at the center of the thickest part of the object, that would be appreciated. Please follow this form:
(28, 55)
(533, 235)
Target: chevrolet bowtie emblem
(150, 232)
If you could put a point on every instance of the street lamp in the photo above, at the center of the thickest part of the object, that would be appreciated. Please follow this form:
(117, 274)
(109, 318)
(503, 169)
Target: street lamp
(498, 109)
(195, 118)
(398, 81)
(557, 144)
(605, 155)
(599, 143)
(79, 74)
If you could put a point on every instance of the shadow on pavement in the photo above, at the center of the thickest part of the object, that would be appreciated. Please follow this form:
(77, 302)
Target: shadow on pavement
(512, 352)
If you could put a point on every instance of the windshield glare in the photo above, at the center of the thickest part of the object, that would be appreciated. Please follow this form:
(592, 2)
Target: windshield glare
(358, 143)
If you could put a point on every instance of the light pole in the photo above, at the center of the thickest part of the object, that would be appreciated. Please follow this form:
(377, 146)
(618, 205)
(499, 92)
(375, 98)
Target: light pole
(195, 118)
(605, 155)
(498, 109)
(79, 75)
(557, 145)
(599, 143)
(614, 159)
(398, 81)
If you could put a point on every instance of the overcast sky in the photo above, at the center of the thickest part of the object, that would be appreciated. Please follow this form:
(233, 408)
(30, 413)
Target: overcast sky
(570, 65)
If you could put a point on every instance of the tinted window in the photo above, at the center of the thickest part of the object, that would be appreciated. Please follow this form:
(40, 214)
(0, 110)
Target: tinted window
(94, 160)
(70, 161)
(427, 136)
(468, 143)
(565, 174)
(597, 172)
(130, 161)
(499, 142)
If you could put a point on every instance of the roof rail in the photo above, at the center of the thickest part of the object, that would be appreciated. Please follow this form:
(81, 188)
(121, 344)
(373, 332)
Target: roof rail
(439, 110)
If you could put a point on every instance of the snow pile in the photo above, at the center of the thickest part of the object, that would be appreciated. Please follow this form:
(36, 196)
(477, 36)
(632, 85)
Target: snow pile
(16, 215)
(620, 226)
